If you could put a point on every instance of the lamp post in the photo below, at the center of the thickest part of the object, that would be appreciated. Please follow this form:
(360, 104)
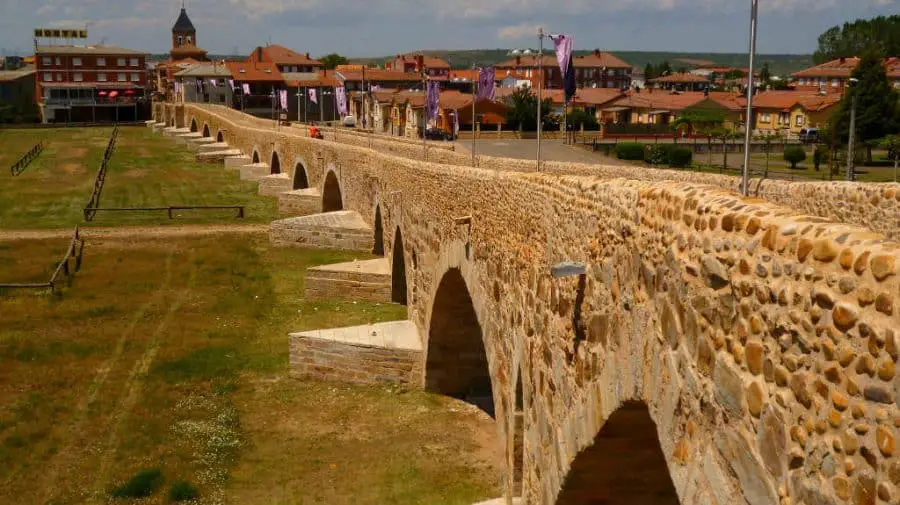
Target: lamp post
(851, 158)
(748, 121)
(540, 93)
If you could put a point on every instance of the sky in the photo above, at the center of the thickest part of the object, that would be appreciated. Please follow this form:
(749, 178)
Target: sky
(359, 28)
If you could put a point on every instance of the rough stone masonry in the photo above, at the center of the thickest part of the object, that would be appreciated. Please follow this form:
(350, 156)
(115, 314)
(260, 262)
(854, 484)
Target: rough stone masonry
(762, 339)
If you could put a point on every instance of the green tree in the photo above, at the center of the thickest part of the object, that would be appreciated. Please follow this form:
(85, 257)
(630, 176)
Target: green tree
(765, 74)
(649, 71)
(522, 110)
(768, 138)
(881, 34)
(794, 155)
(877, 104)
(892, 144)
(332, 60)
(724, 135)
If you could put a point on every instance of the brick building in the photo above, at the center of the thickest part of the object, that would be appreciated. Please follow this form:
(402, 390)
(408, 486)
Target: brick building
(93, 83)
(286, 60)
(596, 70)
(833, 76)
(435, 68)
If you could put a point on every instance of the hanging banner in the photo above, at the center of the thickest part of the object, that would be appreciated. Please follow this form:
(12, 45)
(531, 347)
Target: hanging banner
(212, 82)
(564, 46)
(231, 84)
(432, 100)
(313, 97)
(283, 95)
(486, 78)
(341, 95)
(246, 89)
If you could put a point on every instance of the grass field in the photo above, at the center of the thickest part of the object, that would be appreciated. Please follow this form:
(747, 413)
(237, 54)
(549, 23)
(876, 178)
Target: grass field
(147, 170)
(171, 355)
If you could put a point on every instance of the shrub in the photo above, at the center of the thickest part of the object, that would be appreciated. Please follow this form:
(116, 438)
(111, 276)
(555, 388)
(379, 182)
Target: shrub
(140, 485)
(680, 157)
(657, 154)
(794, 155)
(182, 491)
(633, 151)
(820, 155)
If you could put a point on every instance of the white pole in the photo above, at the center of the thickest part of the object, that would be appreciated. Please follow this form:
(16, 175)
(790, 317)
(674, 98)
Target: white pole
(851, 155)
(748, 121)
(474, 93)
(424, 115)
(540, 93)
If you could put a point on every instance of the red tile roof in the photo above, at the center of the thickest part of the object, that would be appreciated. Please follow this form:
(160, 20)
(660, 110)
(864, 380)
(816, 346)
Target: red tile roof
(529, 62)
(375, 74)
(249, 72)
(680, 78)
(843, 67)
(281, 55)
(660, 100)
(428, 61)
(599, 59)
(785, 100)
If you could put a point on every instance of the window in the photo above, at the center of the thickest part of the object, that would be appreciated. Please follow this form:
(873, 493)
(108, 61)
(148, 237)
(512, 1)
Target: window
(135, 77)
(784, 118)
(48, 77)
(121, 77)
(77, 77)
(799, 120)
(46, 60)
(765, 117)
(190, 40)
(59, 77)
(120, 62)
(101, 62)
(133, 62)
(180, 40)
(58, 61)
(835, 83)
(76, 62)
(101, 77)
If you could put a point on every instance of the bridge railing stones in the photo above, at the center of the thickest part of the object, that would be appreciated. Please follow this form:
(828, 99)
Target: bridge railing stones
(763, 340)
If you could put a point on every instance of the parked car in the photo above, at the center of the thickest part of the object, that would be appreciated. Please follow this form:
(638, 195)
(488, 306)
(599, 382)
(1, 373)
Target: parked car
(437, 134)
(349, 122)
(809, 135)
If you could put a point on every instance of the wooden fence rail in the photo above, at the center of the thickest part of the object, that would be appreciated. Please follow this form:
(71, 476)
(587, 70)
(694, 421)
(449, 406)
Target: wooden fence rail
(20, 166)
(75, 251)
(170, 209)
(94, 201)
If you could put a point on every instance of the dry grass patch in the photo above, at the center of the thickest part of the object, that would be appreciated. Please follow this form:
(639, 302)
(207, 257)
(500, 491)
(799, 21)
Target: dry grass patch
(171, 354)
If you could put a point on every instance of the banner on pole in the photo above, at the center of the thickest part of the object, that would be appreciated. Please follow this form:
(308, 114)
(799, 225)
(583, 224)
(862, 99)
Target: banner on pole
(486, 78)
(433, 99)
(341, 96)
(246, 88)
(283, 99)
(313, 97)
(565, 44)
(231, 84)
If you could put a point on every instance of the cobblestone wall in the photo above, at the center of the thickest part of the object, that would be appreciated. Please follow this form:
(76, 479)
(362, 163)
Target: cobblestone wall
(763, 341)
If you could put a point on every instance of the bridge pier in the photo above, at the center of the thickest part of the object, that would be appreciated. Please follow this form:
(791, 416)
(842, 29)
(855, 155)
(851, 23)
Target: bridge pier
(345, 230)
(273, 185)
(299, 202)
(254, 171)
(237, 161)
(368, 281)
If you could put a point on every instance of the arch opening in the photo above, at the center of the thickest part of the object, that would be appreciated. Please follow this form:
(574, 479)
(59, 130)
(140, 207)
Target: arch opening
(398, 270)
(206, 131)
(255, 157)
(332, 200)
(300, 180)
(220, 137)
(457, 363)
(624, 466)
(276, 164)
(193, 126)
(378, 249)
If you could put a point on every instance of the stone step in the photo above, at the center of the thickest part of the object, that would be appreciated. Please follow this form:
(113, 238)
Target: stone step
(212, 146)
(237, 161)
(372, 354)
(215, 156)
(345, 230)
(300, 202)
(186, 138)
(254, 171)
(172, 131)
(158, 127)
(500, 501)
(272, 185)
(368, 281)
(150, 122)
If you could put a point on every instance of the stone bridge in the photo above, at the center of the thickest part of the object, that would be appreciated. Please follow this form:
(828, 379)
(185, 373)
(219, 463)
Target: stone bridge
(716, 349)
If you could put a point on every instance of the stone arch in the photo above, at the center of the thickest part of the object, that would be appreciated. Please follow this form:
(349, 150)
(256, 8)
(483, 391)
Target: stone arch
(275, 165)
(206, 131)
(378, 249)
(332, 197)
(220, 137)
(301, 178)
(456, 361)
(255, 156)
(194, 125)
(625, 464)
(398, 270)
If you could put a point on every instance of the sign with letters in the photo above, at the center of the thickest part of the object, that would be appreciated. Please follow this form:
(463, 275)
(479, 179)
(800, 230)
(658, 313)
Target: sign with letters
(60, 33)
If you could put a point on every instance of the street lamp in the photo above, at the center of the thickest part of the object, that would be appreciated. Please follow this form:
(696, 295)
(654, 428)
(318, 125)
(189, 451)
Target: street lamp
(850, 154)
(748, 122)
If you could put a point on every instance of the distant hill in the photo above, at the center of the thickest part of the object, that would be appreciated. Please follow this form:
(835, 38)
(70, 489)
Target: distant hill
(780, 64)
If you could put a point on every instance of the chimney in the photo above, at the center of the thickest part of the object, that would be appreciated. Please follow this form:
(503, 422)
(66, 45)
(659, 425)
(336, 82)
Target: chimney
(843, 60)
(259, 54)
(596, 52)
(420, 63)
(307, 56)
(518, 60)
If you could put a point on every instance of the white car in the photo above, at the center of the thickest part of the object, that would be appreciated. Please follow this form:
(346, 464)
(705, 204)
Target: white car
(349, 121)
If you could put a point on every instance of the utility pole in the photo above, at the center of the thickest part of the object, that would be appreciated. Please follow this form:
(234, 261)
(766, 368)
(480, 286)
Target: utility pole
(851, 155)
(748, 121)
(474, 94)
(540, 93)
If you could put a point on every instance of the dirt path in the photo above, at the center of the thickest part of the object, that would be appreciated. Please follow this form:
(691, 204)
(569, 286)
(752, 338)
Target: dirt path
(136, 232)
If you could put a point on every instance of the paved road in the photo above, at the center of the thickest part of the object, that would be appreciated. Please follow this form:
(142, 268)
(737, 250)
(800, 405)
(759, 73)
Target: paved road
(551, 150)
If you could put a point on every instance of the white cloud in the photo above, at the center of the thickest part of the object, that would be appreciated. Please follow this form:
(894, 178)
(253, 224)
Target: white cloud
(517, 32)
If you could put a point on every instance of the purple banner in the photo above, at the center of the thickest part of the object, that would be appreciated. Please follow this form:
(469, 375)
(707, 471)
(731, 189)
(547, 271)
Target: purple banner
(246, 88)
(213, 82)
(433, 100)
(486, 78)
(341, 95)
(564, 46)
(231, 83)
(282, 95)
(313, 97)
